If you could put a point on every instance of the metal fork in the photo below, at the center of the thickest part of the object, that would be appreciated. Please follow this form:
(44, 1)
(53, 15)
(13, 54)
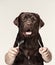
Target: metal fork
(22, 41)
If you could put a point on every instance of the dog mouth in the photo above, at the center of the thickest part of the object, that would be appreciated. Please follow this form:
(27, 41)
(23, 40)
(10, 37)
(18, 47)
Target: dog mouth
(27, 33)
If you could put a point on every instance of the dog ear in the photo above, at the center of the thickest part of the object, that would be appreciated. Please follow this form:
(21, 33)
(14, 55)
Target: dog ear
(41, 24)
(16, 22)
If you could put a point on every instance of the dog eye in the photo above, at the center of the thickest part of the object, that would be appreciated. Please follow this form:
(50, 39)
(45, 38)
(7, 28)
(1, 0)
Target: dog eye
(33, 20)
(24, 19)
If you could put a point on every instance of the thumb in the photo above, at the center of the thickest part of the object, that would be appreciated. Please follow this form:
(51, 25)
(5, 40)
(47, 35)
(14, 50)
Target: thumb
(17, 48)
(40, 50)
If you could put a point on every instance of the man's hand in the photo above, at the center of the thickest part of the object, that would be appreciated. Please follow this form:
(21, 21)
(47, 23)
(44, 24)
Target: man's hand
(46, 54)
(11, 54)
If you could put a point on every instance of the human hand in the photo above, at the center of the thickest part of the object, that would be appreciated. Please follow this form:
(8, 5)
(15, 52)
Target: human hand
(11, 54)
(46, 54)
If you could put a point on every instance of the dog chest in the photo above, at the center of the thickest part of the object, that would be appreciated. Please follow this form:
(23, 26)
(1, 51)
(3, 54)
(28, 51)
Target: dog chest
(30, 60)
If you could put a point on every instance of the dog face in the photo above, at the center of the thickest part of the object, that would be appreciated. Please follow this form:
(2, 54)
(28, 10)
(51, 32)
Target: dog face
(28, 23)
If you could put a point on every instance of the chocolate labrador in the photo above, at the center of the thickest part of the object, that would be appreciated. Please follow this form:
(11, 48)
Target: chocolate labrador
(28, 39)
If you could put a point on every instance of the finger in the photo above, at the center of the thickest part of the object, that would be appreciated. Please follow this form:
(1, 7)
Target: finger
(44, 50)
(15, 50)
(40, 50)
(45, 53)
(12, 53)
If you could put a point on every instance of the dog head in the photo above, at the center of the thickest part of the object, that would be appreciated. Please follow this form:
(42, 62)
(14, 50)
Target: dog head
(28, 23)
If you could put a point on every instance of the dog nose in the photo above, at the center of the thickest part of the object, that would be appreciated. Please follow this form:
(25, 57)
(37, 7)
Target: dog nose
(28, 22)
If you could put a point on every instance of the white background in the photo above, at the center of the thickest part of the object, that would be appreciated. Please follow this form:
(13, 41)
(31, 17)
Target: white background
(10, 9)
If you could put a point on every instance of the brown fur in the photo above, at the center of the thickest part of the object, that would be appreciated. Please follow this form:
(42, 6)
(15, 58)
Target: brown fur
(29, 49)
